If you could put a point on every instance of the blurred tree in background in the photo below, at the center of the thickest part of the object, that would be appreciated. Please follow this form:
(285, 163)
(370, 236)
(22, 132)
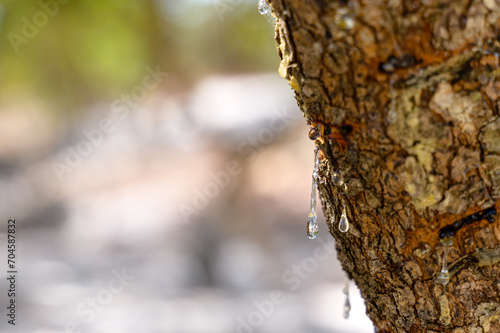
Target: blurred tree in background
(72, 55)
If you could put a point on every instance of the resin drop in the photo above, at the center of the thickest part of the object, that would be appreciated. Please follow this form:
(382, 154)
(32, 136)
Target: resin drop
(312, 226)
(347, 303)
(444, 276)
(337, 179)
(312, 220)
(344, 222)
(345, 18)
(264, 8)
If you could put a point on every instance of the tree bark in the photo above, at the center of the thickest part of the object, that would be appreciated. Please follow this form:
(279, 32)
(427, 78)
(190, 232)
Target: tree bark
(403, 98)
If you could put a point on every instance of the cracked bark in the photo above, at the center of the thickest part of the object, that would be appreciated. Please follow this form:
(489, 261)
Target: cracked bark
(410, 91)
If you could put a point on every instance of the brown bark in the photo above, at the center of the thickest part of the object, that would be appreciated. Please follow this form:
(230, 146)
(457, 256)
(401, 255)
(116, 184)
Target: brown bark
(410, 91)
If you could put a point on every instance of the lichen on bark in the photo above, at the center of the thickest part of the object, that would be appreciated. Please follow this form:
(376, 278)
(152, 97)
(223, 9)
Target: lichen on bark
(411, 92)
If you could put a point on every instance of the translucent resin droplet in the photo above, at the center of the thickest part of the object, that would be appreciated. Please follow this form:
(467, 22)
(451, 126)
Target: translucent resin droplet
(315, 173)
(337, 179)
(347, 303)
(312, 226)
(346, 22)
(264, 8)
(347, 307)
(345, 18)
(312, 220)
(444, 276)
(344, 222)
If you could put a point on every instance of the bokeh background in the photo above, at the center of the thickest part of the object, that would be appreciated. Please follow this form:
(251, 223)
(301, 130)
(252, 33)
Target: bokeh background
(154, 140)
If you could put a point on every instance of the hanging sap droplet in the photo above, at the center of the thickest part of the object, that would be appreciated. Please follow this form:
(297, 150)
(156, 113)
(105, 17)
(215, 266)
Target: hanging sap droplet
(347, 307)
(312, 226)
(444, 276)
(344, 222)
(264, 8)
(316, 165)
(347, 303)
(312, 220)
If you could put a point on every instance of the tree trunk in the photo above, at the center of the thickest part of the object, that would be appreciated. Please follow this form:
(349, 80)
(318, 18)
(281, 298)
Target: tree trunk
(403, 100)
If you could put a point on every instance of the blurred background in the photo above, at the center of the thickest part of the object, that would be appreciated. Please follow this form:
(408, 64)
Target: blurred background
(159, 172)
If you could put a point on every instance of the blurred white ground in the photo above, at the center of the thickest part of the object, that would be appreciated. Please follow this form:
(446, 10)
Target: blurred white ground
(120, 207)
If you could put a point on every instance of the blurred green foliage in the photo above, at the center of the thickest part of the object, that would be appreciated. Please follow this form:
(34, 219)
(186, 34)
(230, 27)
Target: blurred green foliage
(79, 52)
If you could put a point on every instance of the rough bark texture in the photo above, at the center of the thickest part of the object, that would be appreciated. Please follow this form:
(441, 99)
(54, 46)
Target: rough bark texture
(410, 91)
